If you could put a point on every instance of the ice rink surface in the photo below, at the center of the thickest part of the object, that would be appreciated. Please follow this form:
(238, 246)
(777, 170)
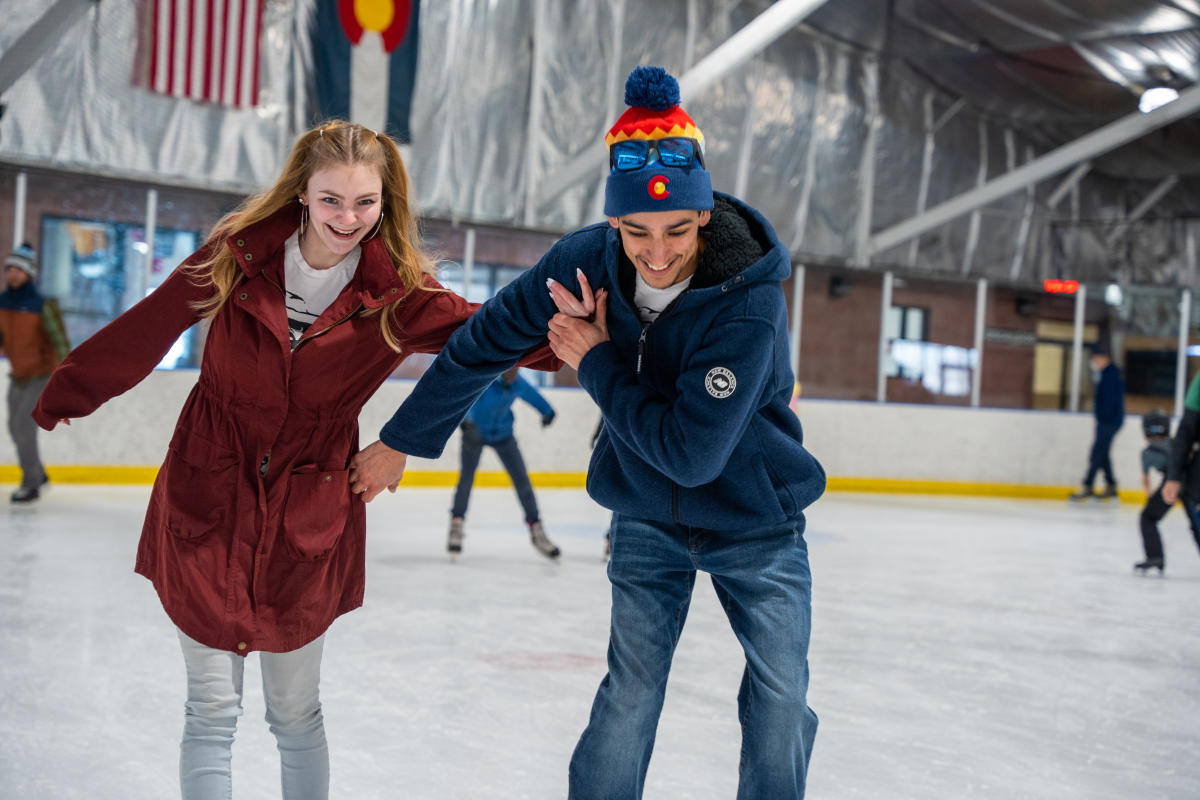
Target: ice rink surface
(962, 648)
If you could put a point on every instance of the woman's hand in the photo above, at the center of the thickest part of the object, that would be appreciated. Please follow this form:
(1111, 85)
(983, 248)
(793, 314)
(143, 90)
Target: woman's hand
(583, 307)
(571, 338)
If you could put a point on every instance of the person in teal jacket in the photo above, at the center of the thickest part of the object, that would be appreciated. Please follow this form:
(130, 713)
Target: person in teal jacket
(684, 348)
(490, 422)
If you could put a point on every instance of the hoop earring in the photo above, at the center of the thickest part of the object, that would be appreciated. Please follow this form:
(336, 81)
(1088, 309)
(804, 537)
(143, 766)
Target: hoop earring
(378, 225)
(303, 218)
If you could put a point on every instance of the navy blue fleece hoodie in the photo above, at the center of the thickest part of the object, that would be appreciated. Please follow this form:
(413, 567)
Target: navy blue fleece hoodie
(1110, 397)
(697, 428)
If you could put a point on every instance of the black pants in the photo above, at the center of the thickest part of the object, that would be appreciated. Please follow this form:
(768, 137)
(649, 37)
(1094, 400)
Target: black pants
(1155, 509)
(1098, 459)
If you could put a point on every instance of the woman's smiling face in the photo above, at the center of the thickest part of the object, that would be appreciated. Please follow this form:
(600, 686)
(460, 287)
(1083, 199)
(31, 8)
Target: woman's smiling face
(344, 203)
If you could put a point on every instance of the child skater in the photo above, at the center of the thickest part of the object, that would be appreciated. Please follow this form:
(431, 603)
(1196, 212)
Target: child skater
(1157, 428)
(1182, 480)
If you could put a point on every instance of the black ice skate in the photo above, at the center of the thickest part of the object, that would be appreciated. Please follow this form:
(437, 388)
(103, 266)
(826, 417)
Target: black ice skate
(1109, 493)
(1084, 493)
(25, 494)
(537, 535)
(455, 538)
(1143, 567)
(28, 494)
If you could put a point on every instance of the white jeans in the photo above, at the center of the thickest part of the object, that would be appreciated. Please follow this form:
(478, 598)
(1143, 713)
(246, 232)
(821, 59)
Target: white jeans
(214, 703)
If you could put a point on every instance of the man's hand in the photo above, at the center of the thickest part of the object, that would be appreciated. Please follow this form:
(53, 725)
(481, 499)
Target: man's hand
(374, 468)
(571, 338)
(583, 307)
(1170, 492)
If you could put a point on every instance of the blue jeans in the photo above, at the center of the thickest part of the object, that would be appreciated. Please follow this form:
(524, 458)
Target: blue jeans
(214, 703)
(763, 582)
(510, 457)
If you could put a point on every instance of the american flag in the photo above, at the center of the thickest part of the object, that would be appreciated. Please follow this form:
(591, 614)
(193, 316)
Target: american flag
(205, 50)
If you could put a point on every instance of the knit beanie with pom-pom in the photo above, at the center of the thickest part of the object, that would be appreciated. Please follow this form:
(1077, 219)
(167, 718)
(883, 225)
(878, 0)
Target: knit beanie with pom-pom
(654, 113)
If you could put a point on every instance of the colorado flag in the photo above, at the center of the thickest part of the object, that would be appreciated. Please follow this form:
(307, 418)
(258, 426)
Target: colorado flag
(365, 60)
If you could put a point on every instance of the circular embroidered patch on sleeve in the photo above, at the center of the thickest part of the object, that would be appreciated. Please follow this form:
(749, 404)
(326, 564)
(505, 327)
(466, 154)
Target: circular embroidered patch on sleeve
(720, 382)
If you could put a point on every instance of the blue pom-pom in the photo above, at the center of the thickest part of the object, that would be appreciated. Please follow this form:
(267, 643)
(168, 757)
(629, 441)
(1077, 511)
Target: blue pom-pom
(651, 87)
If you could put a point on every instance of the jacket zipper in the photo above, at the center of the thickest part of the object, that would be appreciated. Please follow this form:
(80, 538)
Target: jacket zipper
(641, 351)
(322, 333)
(265, 464)
(641, 348)
(641, 345)
(327, 330)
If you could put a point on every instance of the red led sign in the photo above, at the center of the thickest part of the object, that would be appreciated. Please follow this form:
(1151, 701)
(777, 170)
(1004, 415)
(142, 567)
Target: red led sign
(1060, 287)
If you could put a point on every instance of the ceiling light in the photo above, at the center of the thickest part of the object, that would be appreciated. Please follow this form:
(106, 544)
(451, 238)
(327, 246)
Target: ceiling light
(1113, 295)
(1158, 96)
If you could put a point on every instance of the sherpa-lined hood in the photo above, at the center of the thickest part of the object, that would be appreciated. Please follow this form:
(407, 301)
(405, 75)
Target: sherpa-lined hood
(738, 241)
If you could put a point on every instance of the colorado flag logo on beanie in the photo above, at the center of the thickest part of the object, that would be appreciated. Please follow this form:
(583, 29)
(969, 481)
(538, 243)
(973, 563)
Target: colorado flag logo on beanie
(654, 113)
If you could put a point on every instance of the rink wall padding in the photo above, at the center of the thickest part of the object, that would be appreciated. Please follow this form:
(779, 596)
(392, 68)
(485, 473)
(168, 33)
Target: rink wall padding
(864, 447)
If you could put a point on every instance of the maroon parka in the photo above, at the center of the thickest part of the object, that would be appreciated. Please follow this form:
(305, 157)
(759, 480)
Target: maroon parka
(252, 537)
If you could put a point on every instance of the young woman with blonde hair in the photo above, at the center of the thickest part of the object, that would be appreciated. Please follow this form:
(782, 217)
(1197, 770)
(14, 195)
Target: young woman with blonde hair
(315, 290)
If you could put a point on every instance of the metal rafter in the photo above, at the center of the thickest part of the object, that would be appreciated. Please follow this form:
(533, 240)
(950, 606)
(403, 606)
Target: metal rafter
(40, 37)
(1148, 202)
(1102, 140)
(764, 29)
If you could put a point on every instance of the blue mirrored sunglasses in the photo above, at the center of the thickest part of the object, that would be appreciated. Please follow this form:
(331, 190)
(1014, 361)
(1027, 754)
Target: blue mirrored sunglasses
(672, 151)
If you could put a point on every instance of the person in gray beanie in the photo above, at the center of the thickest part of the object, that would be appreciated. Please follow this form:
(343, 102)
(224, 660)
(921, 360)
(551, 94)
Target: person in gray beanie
(34, 340)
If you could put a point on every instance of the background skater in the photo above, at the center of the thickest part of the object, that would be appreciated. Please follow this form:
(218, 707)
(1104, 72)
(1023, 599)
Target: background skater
(490, 422)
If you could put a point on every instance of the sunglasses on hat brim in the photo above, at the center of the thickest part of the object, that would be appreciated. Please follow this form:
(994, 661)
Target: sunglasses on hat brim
(670, 151)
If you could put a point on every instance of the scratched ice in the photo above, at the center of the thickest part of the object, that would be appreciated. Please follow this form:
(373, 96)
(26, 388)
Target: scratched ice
(962, 648)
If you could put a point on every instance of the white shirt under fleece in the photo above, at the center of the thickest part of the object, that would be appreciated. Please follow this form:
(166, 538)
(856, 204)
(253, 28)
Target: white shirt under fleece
(307, 291)
(650, 302)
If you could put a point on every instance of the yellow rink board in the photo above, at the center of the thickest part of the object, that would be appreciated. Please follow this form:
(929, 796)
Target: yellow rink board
(134, 475)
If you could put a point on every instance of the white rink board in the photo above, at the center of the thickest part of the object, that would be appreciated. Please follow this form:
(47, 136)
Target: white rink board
(850, 439)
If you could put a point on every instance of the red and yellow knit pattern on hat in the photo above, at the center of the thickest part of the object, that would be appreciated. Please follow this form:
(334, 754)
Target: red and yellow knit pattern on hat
(645, 123)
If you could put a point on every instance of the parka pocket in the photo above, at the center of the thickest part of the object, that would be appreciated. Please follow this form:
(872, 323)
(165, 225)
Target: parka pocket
(317, 510)
(200, 483)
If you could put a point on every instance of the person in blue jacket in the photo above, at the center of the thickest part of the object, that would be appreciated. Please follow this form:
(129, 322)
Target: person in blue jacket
(490, 422)
(1110, 415)
(684, 348)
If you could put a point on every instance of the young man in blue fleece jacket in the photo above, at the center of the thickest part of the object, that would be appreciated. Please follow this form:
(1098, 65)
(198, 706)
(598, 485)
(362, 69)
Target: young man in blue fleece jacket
(700, 458)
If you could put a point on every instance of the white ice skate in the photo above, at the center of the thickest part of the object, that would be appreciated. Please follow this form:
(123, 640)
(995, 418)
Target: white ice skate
(537, 535)
(454, 539)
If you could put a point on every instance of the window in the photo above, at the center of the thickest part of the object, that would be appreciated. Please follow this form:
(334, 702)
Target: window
(96, 270)
(1150, 372)
(910, 324)
(486, 281)
(941, 369)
